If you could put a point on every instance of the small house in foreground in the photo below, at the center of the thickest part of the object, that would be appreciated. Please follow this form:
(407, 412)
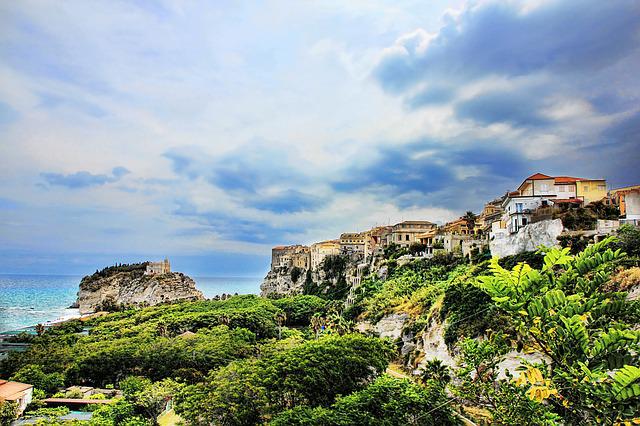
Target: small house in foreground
(16, 392)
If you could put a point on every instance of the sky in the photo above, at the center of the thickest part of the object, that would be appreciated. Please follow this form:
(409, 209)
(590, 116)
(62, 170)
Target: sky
(210, 131)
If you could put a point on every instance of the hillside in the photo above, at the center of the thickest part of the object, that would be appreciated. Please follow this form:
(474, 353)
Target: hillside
(541, 338)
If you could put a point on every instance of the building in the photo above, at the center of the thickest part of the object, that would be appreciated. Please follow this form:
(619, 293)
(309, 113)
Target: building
(428, 239)
(540, 190)
(319, 251)
(376, 239)
(16, 392)
(492, 212)
(157, 268)
(290, 256)
(628, 201)
(458, 227)
(564, 188)
(406, 233)
(352, 242)
(518, 210)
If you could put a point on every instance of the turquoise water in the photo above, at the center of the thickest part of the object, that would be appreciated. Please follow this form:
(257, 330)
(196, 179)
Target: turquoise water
(26, 300)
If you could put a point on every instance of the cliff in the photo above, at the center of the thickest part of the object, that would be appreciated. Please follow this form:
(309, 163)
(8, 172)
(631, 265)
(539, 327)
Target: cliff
(335, 277)
(133, 288)
(528, 238)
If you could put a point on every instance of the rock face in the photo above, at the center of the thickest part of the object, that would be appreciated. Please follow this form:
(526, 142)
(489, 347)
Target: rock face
(279, 281)
(134, 289)
(528, 238)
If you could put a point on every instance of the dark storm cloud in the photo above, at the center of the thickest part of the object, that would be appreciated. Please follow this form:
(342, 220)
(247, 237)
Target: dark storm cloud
(500, 39)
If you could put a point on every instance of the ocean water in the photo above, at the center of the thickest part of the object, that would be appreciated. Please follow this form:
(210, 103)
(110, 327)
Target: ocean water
(26, 300)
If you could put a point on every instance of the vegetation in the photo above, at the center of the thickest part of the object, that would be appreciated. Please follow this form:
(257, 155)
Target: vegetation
(134, 268)
(585, 331)
(386, 401)
(296, 360)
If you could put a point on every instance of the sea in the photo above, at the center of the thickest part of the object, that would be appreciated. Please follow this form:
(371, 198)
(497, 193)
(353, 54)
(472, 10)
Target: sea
(27, 300)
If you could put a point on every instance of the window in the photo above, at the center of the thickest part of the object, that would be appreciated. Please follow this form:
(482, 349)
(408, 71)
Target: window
(524, 221)
(602, 187)
(586, 187)
(544, 187)
(562, 188)
(518, 207)
(406, 237)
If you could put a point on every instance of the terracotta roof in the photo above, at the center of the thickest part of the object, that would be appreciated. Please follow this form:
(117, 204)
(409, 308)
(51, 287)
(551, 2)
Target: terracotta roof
(538, 176)
(567, 179)
(11, 391)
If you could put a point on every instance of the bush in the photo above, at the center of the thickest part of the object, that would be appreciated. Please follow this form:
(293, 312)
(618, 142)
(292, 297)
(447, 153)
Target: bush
(386, 401)
(629, 240)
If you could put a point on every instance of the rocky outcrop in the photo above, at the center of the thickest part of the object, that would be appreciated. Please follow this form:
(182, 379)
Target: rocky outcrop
(391, 325)
(134, 289)
(527, 239)
(280, 280)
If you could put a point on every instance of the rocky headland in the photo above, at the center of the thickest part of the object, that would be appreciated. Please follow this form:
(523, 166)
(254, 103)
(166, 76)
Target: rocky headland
(128, 285)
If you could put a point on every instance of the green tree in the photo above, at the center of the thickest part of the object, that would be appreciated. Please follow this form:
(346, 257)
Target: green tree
(564, 311)
(478, 385)
(34, 375)
(231, 395)
(314, 372)
(386, 402)
(8, 412)
(470, 219)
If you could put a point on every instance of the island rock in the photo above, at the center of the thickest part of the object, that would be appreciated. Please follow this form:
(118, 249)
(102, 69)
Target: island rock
(130, 286)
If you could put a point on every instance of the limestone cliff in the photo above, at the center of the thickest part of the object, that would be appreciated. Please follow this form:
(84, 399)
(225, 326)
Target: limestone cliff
(341, 274)
(133, 288)
(282, 280)
(528, 238)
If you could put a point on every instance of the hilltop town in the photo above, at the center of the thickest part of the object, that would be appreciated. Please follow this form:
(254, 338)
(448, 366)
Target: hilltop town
(543, 210)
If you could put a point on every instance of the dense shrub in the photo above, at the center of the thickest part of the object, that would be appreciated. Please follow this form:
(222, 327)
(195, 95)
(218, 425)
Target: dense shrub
(386, 401)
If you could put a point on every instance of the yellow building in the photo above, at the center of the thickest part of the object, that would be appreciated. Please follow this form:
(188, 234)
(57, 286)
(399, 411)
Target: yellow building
(457, 227)
(323, 249)
(564, 188)
(590, 190)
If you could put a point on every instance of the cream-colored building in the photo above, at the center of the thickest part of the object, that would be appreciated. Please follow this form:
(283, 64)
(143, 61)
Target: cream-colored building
(321, 250)
(406, 233)
(352, 242)
(286, 256)
(158, 268)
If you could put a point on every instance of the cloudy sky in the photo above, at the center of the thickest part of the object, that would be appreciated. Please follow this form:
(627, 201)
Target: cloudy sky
(210, 131)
